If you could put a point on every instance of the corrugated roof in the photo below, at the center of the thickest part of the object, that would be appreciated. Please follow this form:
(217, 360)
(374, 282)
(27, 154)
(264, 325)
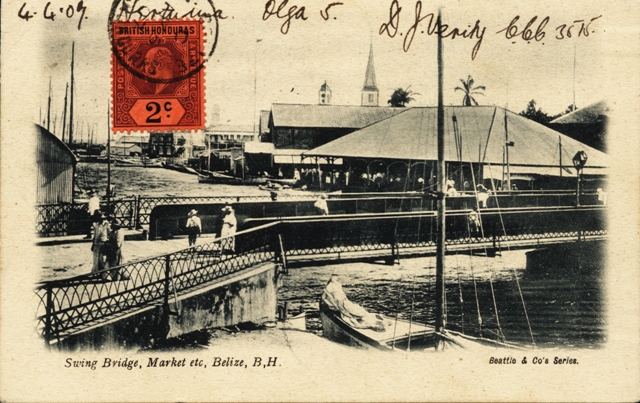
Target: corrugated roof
(330, 116)
(257, 147)
(264, 121)
(223, 129)
(412, 135)
(589, 114)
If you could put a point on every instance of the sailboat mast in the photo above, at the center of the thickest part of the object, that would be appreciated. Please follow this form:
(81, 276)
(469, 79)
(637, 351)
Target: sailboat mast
(108, 157)
(441, 236)
(73, 50)
(506, 149)
(64, 113)
(49, 108)
(560, 148)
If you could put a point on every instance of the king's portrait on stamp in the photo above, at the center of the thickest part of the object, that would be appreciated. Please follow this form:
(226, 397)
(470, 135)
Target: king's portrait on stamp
(158, 71)
(319, 200)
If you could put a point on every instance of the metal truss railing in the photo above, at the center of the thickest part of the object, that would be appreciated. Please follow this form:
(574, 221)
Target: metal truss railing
(76, 303)
(70, 305)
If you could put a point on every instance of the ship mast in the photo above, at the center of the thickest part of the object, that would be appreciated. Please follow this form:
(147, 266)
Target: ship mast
(73, 49)
(441, 235)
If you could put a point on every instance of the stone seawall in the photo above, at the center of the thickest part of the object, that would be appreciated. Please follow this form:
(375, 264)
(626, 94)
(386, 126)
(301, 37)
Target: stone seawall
(249, 296)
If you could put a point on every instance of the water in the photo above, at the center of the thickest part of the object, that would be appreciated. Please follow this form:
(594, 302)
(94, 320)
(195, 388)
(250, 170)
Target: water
(154, 182)
(562, 311)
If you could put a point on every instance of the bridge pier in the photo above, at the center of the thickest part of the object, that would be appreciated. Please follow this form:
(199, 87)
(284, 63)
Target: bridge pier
(249, 296)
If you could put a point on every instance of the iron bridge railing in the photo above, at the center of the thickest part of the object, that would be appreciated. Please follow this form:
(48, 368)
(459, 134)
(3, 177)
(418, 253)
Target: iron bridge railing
(71, 305)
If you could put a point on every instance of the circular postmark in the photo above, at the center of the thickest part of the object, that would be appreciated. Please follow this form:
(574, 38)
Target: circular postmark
(142, 17)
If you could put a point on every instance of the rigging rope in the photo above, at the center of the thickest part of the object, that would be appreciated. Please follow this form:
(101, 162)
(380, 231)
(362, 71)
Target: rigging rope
(495, 308)
(524, 307)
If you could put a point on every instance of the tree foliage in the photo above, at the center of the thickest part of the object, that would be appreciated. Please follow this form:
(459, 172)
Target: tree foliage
(401, 97)
(537, 115)
(469, 91)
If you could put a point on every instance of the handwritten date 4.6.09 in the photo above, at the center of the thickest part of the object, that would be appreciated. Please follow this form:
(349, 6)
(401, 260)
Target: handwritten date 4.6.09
(50, 12)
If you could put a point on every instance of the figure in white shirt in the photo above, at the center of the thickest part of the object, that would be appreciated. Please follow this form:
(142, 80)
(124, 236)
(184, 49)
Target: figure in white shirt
(194, 226)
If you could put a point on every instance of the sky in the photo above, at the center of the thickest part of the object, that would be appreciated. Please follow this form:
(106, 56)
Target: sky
(291, 68)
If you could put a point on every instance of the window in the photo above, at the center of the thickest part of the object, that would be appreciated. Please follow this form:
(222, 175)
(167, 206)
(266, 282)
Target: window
(370, 97)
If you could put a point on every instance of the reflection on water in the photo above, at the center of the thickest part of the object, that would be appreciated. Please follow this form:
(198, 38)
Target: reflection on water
(562, 312)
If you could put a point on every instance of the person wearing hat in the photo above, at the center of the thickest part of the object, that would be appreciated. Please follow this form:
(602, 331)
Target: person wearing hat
(114, 250)
(100, 240)
(229, 227)
(194, 226)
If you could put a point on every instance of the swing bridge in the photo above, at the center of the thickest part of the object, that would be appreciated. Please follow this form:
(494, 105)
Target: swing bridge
(69, 307)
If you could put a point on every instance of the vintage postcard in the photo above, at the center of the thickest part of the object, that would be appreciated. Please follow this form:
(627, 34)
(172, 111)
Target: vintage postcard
(310, 200)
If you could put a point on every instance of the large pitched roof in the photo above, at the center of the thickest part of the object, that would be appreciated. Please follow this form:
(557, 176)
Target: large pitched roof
(593, 113)
(329, 116)
(411, 135)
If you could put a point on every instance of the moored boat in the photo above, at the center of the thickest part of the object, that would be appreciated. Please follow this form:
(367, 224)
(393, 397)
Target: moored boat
(222, 179)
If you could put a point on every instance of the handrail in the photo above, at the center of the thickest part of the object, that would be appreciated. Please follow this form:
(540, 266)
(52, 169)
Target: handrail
(70, 304)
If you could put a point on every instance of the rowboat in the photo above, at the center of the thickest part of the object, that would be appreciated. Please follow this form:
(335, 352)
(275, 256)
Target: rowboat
(222, 179)
(348, 323)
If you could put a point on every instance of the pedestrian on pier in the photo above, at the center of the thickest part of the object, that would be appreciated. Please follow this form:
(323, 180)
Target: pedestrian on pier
(100, 240)
(92, 207)
(321, 205)
(194, 226)
(114, 250)
(229, 227)
(474, 222)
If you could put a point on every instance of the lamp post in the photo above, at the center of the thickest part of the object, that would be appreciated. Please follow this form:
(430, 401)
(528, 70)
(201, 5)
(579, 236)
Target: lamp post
(579, 161)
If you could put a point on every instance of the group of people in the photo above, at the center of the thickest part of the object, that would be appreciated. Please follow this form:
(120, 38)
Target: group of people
(228, 227)
(108, 240)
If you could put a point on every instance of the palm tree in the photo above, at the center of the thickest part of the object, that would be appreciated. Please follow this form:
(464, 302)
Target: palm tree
(469, 90)
(401, 97)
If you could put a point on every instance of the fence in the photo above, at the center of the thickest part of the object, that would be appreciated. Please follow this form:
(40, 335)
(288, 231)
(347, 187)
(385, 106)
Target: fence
(75, 303)
(73, 219)
(70, 305)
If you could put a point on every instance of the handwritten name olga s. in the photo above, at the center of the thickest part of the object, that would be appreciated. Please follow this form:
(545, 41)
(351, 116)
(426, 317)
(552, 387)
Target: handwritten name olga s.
(530, 31)
(280, 11)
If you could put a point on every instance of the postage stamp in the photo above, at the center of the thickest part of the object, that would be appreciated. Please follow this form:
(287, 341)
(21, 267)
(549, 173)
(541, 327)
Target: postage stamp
(157, 75)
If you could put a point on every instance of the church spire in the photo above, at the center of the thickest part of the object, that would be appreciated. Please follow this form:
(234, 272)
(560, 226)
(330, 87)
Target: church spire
(370, 89)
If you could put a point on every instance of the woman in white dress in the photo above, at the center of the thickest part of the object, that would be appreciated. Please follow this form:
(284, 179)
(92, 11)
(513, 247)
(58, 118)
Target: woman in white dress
(229, 227)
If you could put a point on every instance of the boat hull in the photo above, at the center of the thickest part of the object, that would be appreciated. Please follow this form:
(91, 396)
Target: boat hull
(220, 179)
(396, 334)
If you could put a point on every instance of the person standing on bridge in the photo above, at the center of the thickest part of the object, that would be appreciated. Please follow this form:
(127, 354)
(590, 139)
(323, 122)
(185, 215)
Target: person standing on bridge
(229, 227)
(114, 256)
(194, 226)
(321, 205)
(100, 241)
(92, 207)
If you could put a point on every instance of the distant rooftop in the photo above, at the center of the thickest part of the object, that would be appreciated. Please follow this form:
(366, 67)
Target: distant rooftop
(593, 113)
(225, 129)
(330, 116)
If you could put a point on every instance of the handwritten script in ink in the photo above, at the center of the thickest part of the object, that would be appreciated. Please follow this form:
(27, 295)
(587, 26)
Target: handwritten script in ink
(50, 12)
(282, 12)
(532, 30)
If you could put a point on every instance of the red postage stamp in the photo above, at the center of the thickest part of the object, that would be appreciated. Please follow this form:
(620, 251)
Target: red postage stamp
(158, 75)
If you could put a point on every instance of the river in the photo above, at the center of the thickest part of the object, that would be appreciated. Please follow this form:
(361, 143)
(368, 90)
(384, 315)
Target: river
(154, 182)
(551, 311)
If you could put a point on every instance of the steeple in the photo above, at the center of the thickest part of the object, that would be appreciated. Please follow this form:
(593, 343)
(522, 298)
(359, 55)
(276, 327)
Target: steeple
(370, 90)
(324, 95)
